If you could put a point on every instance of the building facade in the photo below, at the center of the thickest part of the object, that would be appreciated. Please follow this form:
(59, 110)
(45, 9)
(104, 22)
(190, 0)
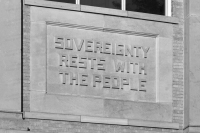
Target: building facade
(70, 68)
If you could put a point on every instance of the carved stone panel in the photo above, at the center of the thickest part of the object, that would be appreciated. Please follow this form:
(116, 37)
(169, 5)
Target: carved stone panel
(106, 64)
(94, 67)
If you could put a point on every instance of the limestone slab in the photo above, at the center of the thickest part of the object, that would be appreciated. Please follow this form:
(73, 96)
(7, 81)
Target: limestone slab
(161, 29)
(14, 131)
(10, 115)
(38, 58)
(165, 70)
(154, 124)
(58, 85)
(194, 71)
(10, 55)
(103, 10)
(104, 120)
(194, 129)
(194, 7)
(48, 116)
(41, 102)
(55, 66)
(71, 17)
(138, 110)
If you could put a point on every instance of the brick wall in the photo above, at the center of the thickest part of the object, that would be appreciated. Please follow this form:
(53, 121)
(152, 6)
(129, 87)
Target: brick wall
(178, 63)
(26, 58)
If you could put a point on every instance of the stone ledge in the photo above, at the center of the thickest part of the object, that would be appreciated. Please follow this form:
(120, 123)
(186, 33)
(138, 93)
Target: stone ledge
(194, 129)
(10, 115)
(48, 116)
(99, 10)
(155, 124)
(14, 131)
(52, 4)
(115, 121)
(104, 120)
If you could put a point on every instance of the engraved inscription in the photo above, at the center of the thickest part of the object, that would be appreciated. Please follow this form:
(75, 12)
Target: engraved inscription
(101, 47)
(96, 63)
(100, 64)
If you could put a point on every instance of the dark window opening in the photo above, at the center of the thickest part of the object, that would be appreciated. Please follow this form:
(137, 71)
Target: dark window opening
(146, 6)
(65, 1)
(114, 4)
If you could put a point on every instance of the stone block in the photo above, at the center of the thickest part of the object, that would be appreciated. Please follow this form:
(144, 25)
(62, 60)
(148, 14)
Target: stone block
(10, 48)
(48, 116)
(138, 110)
(68, 17)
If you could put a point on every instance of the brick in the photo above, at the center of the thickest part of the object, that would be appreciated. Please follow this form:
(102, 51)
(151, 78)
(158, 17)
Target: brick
(178, 111)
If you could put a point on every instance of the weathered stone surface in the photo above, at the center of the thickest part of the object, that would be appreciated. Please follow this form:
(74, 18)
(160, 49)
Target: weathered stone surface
(10, 48)
(58, 86)
(104, 120)
(51, 40)
(194, 7)
(53, 15)
(13, 131)
(162, 29)
(41, 102)
(38, 58)
(164, 88)
(194, 72)
(49, 116)
(194, 129)
(103, 10)
(154, 124)
(138, 110)
(10, 115)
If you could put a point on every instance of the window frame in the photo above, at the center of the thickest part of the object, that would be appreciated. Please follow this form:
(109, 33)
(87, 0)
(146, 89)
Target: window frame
(168, 6)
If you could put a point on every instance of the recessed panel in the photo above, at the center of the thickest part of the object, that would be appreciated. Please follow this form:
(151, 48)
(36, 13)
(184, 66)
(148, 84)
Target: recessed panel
(104, 64)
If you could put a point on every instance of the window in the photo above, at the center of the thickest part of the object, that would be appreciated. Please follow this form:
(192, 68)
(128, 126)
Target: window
(115, 4)
(146, 6)
(160, 7)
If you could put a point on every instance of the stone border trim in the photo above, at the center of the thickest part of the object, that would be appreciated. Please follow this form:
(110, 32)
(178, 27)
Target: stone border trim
(26, 59)
(89, 119)
(154, 124)
(14, 131)
(48, 116)
(10, 115)
(104, 120)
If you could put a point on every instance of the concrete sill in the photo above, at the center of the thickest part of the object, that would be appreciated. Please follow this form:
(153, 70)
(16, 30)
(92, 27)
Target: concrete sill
(10, 115)
(14, 131)
(99, 10)
(102, 120)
